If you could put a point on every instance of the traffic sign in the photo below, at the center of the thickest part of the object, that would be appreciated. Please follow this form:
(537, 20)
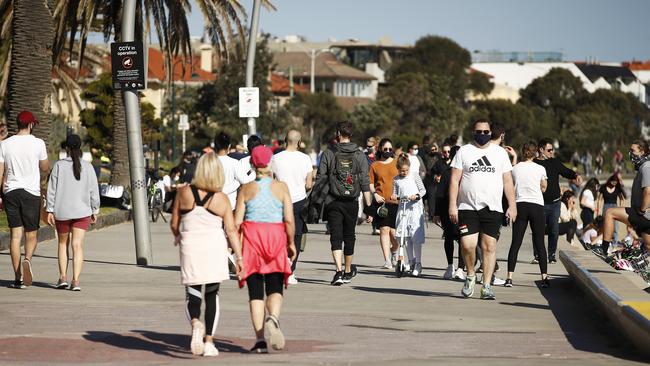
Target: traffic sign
(183, 123)
(249, 102)
(127, 61)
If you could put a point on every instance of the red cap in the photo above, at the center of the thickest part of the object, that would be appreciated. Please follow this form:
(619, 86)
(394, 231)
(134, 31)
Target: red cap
(261, 156)
(25, 118)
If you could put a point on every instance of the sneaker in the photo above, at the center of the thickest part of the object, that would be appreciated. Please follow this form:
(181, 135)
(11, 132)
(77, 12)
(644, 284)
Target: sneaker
(449, 273)
(209, 350)
(292, 280)
(417, 270)
(338, 278)
(459, 274)
(551, 259)
(387, 265)
(508, 283)
(468, 288)
(18, 284)
(28, 275)
(260, 347)
(535, 261)
(546, 283)
(74, 286)
(496, 281)
(487, 293)
(274, 334)
(347, 277)
(353, 270)
(61, 284)
(196, 345)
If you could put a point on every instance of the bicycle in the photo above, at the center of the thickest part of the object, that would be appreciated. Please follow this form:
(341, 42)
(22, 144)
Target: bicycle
(155, 200)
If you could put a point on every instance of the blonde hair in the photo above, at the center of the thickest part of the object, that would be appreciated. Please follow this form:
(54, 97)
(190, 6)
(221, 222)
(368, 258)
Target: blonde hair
(209, 173)
(263, 172)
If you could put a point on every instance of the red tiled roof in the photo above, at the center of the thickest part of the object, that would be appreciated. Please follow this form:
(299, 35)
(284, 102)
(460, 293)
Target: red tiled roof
(182, 70)
(71, 71)
(280, 85)
(637, 65)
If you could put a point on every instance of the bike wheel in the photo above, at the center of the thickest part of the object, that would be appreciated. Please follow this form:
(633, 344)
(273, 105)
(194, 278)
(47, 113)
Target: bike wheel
(155, 212)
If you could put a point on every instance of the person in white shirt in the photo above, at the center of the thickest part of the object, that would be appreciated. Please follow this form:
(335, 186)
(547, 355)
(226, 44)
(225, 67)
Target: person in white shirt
(475, 201)
(23, 160)
(530, 184)
(294, 168)
(233, 171)
(417, 165)
(245, 162)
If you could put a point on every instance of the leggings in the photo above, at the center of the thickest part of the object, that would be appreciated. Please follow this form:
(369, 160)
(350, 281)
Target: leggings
(533, 214)
(193, 300)
(413, 250)
(450, 232)
(569, 228)
(256, 282)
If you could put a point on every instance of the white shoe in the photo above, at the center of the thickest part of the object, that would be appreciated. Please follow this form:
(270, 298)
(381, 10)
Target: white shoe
(387, 265)
(417, 270)
(460, 274)
(449, 273)
(498, 281)
(197, 345)
(292, 280)
(209, 350)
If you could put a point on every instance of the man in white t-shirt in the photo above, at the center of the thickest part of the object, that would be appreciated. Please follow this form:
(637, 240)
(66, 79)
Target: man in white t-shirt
(295, 169)
(233, 172)
(245, 162)
(23, 159)
(475, 201)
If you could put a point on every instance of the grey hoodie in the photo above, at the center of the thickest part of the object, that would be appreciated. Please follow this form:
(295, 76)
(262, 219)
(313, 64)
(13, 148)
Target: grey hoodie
(327, 166)
(69, 198)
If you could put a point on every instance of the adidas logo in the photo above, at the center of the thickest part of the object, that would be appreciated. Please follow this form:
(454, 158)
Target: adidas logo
(482, 165)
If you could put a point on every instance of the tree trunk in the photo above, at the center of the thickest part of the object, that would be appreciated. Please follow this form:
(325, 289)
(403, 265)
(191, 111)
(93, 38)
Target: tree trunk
(120, 154)
(30, 75)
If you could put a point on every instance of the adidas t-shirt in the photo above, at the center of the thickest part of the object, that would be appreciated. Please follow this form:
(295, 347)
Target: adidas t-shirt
(481, 184)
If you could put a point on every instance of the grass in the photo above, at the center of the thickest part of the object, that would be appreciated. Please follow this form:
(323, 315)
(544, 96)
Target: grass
(4, 226)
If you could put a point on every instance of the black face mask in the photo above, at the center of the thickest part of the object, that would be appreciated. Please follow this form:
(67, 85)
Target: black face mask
(387, 154)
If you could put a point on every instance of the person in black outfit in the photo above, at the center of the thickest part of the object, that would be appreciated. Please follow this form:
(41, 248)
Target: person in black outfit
(187, 167)
(611, 195)
(442, 171)
(554, 169)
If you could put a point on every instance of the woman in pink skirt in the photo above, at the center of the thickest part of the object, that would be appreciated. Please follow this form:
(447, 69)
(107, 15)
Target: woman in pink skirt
(201, 212)
(265, 216)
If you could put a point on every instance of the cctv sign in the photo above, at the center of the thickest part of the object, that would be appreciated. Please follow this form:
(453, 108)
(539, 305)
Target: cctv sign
(127, 61)
(249, 102)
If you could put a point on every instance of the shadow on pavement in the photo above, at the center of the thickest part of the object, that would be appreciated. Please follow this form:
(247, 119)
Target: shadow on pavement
(182, 341)
(527, 305)
(403, 291)
(9, 283)
(164, 268)
(583, 325)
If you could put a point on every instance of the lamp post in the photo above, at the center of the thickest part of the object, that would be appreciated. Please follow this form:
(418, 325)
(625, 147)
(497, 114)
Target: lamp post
(250, 59)
(312, 54)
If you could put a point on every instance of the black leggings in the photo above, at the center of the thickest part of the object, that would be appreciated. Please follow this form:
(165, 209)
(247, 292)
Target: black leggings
(193, 300)
(274, 285)
(450, 231)
(569, 228)
(533, 214)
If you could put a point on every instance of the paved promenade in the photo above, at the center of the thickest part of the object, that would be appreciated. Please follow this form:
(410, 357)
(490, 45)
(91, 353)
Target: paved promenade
(133, 315)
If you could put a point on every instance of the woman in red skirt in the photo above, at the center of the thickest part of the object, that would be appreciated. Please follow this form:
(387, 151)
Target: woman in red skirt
(265, 216)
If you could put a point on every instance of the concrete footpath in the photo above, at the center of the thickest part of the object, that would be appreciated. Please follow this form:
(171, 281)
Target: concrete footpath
(132, 315)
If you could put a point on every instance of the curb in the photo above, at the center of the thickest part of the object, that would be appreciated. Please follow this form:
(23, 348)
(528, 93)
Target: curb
(623, 301)
(48, 232)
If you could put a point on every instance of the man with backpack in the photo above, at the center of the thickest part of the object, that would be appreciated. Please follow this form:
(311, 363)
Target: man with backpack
(343, 174)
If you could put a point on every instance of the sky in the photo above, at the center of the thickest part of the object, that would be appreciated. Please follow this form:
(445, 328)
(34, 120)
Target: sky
(607, 30)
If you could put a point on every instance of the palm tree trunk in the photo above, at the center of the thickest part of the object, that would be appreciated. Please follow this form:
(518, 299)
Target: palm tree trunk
(120, 153)
(30, 74)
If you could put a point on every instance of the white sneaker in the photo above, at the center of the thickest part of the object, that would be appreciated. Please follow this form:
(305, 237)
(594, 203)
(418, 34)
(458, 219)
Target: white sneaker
(498, 281)
(209, 350)
(460, 274)
(449, 273)
(197, 345)
(292, 280)
(387, 265)
(417, 270)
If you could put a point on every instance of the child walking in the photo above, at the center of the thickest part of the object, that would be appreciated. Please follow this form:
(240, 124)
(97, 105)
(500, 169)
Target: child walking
(410, 215)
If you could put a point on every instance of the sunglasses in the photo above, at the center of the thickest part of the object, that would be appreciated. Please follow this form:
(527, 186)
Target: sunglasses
(549, 150)
(484, 132)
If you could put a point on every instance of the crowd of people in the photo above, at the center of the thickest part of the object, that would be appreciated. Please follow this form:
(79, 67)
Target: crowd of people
(250, 211)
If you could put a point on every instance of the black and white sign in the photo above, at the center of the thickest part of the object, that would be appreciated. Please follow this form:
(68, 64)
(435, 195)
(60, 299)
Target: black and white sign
(127, 61)
(249, 102)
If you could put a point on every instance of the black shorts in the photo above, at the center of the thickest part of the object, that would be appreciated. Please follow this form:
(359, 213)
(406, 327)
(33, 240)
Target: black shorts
(639, 223)
(389, 220)
(258, 284)
(23, 209)
(482, 221)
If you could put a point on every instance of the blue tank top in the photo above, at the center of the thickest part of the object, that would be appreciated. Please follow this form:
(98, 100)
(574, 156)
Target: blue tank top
(264, 207)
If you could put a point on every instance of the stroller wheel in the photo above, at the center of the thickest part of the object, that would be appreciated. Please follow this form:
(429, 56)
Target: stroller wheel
(399, 270)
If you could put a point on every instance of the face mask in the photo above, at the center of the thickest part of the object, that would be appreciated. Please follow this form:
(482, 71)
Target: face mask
(482, 139)
(637, 160)
(387, 154)
(415, 152)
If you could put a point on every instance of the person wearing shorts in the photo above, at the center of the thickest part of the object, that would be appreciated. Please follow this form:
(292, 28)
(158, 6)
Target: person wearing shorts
(72, 205)
(23, 158)
(475, 201)
(638, 215)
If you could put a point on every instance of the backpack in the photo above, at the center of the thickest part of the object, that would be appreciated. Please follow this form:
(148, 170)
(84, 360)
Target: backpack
(344, 178)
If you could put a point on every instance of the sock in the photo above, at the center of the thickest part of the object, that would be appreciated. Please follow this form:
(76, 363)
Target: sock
(260, 340)
(605, 246)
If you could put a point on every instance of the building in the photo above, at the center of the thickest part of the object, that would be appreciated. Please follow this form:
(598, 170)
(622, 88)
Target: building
(498, 56)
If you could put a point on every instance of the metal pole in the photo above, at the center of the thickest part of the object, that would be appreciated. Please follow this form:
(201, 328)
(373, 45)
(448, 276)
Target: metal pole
(136, 155)
(312, 82)
(250, 59)
(174, 122)
(291, 81)
(183, 141)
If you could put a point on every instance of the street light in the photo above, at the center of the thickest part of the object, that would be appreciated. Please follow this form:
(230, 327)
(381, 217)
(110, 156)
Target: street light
(313, 53)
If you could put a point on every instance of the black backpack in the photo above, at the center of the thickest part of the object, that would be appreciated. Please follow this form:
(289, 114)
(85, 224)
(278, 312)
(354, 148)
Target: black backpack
(344, 178)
